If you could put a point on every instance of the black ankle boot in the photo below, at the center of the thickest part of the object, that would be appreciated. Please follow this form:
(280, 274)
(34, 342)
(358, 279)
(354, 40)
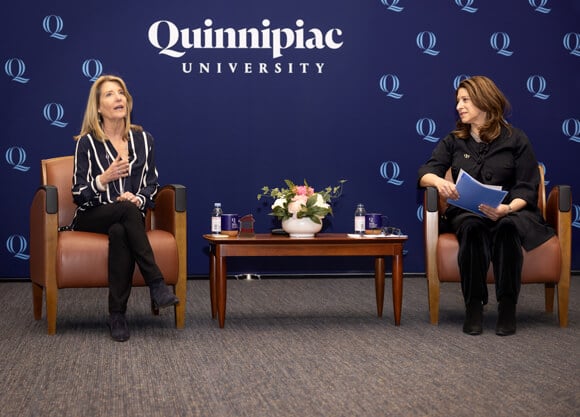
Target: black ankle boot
(161, 295)
(118, 326)
(506, 318)
(473, 318)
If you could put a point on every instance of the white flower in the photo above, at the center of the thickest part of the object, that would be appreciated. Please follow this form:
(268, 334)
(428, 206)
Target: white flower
(320, 202)
(279, 203)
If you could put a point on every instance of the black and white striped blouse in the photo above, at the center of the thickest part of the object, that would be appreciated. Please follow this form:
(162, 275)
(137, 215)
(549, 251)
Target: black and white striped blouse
(93, 157)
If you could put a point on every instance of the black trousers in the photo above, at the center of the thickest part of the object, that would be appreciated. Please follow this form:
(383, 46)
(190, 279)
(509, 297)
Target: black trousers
(482, 241)
(128, 244)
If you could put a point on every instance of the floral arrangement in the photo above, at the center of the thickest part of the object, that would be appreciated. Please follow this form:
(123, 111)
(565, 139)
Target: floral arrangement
(301, 200)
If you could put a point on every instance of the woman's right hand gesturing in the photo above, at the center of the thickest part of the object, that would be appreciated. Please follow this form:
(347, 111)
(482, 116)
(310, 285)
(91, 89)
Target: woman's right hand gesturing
(119, 168)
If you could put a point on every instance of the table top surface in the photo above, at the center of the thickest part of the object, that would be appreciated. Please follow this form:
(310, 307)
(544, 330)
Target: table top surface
(320, 238)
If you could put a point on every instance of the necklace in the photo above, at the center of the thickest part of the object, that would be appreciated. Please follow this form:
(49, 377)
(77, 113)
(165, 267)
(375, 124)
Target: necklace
(121, 188)
(120, 181)
(110, 158)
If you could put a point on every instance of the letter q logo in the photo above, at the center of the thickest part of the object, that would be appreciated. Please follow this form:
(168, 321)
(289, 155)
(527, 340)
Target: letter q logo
(16, 157)
(467, 6)
(420, 213)
(392, 5)
(576, 220)
(15, 68)
(571, 128)
(390, 171)
(457, 80)
(389, 84)
(537, 85)
(540, 7)
(426, 127)
(572, 43)
(16, 245)
(500, 41)
(53, 25)
(53, 113)
(426, 42)
(92, 69)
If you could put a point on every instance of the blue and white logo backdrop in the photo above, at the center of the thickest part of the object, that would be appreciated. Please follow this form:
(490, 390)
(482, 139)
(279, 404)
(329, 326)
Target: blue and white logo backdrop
(244, 94)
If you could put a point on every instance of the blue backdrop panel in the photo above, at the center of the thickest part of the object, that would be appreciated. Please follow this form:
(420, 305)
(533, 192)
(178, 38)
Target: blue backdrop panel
(356, 90)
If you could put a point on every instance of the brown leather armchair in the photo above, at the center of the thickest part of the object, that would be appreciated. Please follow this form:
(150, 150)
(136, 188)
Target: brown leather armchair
(73, 259)
(549, 263)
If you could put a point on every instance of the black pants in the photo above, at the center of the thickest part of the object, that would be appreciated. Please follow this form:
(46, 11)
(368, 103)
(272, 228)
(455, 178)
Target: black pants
(482, 241)
(128, 243)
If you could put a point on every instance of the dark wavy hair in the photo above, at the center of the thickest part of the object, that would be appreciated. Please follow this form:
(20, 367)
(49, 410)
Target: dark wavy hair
(487, 97)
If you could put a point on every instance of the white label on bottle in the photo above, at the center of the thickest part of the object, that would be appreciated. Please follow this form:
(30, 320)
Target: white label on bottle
(359, 223)
(216, 224)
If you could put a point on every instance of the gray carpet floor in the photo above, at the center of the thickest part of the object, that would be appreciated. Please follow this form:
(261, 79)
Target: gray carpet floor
(290, 347)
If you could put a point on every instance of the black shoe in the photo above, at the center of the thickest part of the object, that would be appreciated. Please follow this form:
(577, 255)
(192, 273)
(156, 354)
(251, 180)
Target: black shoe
(473, 318)
(119, 327)
(162, 296)
(506, 318)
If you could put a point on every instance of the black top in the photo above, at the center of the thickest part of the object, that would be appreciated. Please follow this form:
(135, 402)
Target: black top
(508, 161)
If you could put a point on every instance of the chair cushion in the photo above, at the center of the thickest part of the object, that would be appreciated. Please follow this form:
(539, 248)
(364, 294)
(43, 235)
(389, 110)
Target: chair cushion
(544, 263)
(82, 259)
(541, 264)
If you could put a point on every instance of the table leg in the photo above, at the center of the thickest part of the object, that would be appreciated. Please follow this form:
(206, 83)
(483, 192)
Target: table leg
(221, 289)
(397, 287)
(212, 281)
(380, 283)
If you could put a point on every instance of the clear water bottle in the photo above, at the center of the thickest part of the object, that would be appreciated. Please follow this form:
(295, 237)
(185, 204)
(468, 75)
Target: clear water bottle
(359, 219)
(216, 219)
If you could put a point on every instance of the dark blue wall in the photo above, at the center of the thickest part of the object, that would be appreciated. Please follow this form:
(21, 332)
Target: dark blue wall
(384, 96)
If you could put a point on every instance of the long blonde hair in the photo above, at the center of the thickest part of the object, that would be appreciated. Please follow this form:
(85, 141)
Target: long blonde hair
(488, 98)
(92, 123)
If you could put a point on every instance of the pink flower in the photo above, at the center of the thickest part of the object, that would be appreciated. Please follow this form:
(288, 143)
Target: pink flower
(304, 190)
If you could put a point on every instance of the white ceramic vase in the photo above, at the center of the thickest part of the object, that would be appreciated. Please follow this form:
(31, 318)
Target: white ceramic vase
(301, 228)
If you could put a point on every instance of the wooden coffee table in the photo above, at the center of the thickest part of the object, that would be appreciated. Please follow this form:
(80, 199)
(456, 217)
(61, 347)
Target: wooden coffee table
(324, 244)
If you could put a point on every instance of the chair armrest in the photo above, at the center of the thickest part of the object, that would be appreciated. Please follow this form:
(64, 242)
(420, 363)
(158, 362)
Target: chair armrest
(170, 214)
(559, 207)
(431, 209)
(431, 229)
(559, 216)
(170, 203)
(43, 234)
